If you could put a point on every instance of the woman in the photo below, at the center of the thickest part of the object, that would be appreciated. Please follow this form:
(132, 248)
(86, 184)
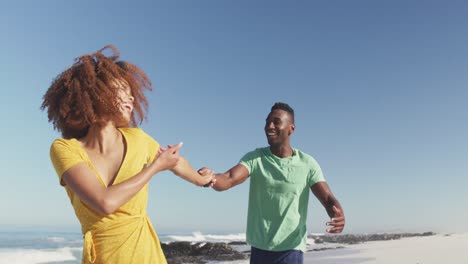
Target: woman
(105, 162)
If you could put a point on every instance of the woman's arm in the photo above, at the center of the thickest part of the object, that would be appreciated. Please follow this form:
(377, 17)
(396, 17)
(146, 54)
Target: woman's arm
(184, 170)
(84, 183)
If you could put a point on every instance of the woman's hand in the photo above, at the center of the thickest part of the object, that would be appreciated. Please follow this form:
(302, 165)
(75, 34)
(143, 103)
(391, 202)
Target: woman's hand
(168, 158)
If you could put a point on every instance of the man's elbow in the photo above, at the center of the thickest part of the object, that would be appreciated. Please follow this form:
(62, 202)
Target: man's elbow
(221, 188)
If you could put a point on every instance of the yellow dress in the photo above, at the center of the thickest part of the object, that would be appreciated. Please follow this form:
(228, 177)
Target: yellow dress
(127, 235)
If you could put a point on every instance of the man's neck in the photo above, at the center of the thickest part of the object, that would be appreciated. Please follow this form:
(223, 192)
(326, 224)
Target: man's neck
(282, 151)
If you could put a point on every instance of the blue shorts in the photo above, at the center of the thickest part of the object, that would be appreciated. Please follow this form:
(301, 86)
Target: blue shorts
(260, 256)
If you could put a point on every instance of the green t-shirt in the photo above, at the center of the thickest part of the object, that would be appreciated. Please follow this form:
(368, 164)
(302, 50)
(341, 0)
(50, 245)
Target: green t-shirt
(278, 198)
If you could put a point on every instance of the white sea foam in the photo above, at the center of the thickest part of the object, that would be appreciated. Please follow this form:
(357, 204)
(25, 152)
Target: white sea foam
(56, 239)
(310, 241)
(35, 256)
(199, 237)
(317, 234)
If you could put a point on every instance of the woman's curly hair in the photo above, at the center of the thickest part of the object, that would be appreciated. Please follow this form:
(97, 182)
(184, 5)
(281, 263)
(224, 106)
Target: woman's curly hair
(77, 96)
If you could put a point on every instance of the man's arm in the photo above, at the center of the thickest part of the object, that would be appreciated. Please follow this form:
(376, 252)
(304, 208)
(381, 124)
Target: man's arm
(236, 175)
(323, 193)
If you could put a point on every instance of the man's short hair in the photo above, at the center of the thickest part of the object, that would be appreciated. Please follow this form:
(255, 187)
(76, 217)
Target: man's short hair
(285, 107)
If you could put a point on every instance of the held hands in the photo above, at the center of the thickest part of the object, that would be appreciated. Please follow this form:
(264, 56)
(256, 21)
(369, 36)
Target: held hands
(208, 176)
(338, 221)
(204, 177)
(167, 158)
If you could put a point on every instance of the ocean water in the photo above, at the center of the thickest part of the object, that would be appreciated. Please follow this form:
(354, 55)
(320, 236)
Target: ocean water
(29, 247)
(40, 247)
(200, 237)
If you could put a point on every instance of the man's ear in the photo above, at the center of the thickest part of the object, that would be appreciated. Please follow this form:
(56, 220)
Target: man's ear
(291, 130)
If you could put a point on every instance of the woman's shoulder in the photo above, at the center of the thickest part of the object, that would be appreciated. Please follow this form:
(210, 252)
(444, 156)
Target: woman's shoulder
(132, 131)
(64, 142)
(62, 147)
(135, 133)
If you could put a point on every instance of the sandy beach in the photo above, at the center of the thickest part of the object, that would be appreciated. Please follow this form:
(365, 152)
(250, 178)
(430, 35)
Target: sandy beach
(438, 249)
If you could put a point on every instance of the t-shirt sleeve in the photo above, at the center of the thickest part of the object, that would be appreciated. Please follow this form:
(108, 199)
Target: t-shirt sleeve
(315, 173)
(63, 157)
(249, 159)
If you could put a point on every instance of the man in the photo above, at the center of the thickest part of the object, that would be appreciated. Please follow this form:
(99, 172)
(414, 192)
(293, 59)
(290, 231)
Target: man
(279, 193)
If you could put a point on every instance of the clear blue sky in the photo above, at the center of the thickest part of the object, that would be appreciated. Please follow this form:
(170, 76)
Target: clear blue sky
(380, 90)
